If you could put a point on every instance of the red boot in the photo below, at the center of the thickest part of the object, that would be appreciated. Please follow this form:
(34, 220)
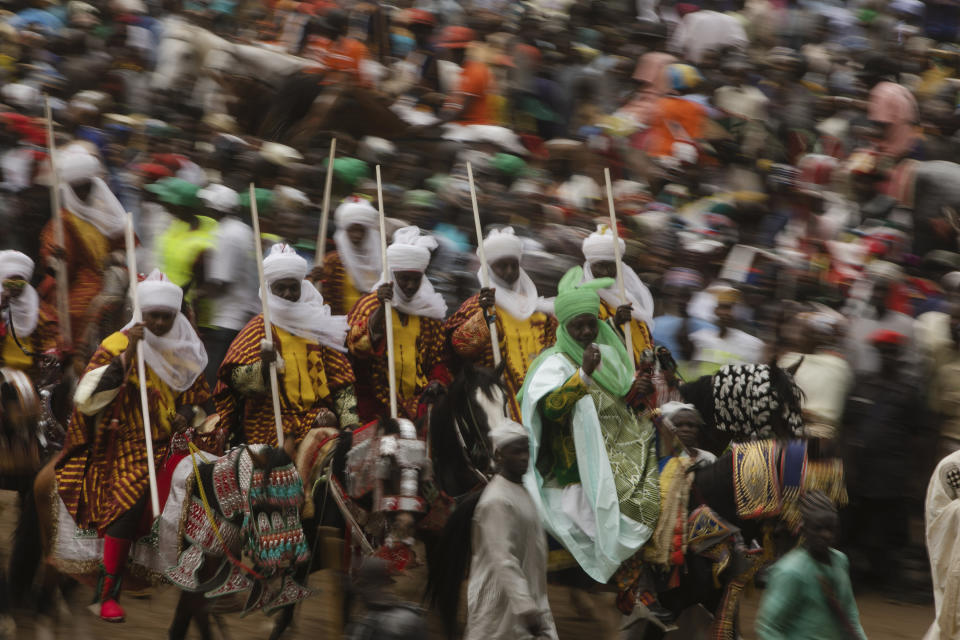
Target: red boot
(115, 551)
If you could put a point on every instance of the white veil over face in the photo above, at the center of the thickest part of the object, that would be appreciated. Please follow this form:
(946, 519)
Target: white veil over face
(25, 308)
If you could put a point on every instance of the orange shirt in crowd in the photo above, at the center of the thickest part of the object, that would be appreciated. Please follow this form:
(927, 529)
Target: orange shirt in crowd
(476, 81)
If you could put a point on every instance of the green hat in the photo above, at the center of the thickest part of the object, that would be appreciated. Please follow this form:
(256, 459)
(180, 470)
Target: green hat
(176, 191)
(509, 164)
(420, 198)
(575, 299)
(264, 200)
(349, 170)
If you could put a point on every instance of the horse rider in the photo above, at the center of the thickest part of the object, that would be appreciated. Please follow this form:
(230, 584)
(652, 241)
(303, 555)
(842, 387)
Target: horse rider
(350, 272)
(93, 225)
(419, 343)
(102, 475)
(28, 327)
(525, 325)
(579, 403)
(637, 309)
(313, 372)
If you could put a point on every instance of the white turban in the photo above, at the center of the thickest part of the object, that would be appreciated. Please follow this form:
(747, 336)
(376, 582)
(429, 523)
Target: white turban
(410, 251)
(506, 432)
(282, 263)
(76, 164)
(357, 211)
(220, 197)
(157, 292)
(24, 308)
(598, 246)
(14, 263)
(502, 243)
(671, 409)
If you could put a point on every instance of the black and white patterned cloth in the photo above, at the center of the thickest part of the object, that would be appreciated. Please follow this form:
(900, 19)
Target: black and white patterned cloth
(745, 400)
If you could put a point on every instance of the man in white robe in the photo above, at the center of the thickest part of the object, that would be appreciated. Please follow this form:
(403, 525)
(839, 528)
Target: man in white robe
(507, 592)
(942, 516)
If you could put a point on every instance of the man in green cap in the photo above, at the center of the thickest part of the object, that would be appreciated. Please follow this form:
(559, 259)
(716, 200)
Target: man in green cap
(588, 443)
(180, 248)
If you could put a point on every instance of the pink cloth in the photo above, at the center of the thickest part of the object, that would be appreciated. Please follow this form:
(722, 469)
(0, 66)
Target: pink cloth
(652, 69)
(894, 105)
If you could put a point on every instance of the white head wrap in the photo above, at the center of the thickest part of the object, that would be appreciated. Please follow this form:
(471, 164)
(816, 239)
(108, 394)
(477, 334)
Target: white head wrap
(672, 408)
(410, 251)
(178, 357)
(502, 243)
(598, 247)
(157, 292)
(220, 198)
(24, 308)
(950, 281)
(283, 263)
(520, 299)
(506, 432)
(102, 209)
(363, 265)
(308, 317)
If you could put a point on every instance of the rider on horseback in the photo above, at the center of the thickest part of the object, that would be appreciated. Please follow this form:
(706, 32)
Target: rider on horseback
(102, 477)
(307, 343)
(418, 313)
(587, 442)
(27, 327)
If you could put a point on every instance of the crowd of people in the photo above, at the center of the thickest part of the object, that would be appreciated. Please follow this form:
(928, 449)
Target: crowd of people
(782, 182)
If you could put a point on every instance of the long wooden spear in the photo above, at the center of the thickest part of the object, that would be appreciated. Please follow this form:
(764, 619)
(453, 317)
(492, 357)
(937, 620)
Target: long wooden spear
(267, 326)
(387, 308)
(63, 305)
(627, 329)
(141, 368)
(325, 213)
(491, 318)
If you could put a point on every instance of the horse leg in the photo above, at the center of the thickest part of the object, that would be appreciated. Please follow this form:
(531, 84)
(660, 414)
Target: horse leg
(182, 615)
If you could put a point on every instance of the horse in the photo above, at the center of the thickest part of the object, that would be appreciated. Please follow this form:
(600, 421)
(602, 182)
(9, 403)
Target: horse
(217, 511)
(454, 431)
(716, 486)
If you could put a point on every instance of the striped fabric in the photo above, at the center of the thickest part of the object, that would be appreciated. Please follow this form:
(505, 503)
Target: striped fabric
(338, 290)
(520, 343)
(327, 372)
(86, 250)
(102, 472)
(416, 367)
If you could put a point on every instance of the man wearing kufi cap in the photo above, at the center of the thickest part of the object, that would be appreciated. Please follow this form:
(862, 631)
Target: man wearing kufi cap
(93, 226)
(313, 372)
(638, 307)
(419, 343)
(524, 325)
(507, 590)
(350, 272)
(28, 327)
(229, 271)
(102, 474)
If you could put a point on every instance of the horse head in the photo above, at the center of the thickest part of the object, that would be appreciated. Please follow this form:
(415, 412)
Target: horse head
(741, 402)
(475, 402)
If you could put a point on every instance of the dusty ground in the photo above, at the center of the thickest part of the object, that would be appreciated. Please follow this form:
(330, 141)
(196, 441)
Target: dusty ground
(148, 619)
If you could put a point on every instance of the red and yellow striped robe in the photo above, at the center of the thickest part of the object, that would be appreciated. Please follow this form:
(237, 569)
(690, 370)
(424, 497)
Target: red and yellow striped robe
(421, 357)
(86, 252)
(339, 291)
(639, 333)
(102, 472)
(520, 342)
(43, 338)
(312, 375)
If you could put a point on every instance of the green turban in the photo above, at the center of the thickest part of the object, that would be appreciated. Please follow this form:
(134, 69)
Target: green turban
(615, 373)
